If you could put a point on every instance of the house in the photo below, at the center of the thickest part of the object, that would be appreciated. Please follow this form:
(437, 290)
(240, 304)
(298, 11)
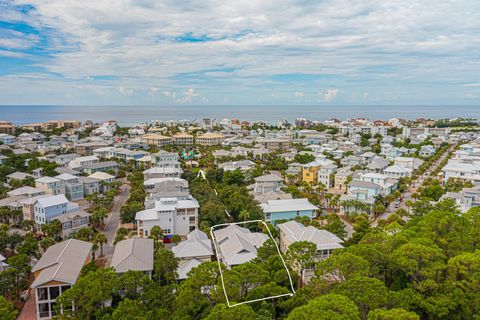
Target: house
(27, 192)
(341, 178)
(49, 208)
(352, 161)
(133, 255)
(163, 172)
(107, 166)
(466, 198)
(65, 159)
(326, 242)
(242, 165)
(408, 162)
(377, 165)
(237, 245)
(276, 144)
(268, 187)
(80, 162)
(275, 210)
(19, 176)
(397, 172)
(72, 221)
(167, 189)
(50, 185)
(73, 186)
(210, 139)
(7, 139)
(463, 171)
(164, 159)
(363, 190)
(3, 265)
(104, 180)
(326, 175)
(426, 151)
(192, 252)
(386, 183)
(90, 185)
(173, 216)
(2, 159)
(57, 271)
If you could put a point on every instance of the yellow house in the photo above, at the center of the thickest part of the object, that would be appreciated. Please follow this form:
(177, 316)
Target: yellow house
(310, 172)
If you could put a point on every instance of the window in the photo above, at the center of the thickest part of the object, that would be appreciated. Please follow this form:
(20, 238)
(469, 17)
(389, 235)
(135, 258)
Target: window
(65, 288)
(44, 310)
(192, 219)
(42, 294)
(54, 292)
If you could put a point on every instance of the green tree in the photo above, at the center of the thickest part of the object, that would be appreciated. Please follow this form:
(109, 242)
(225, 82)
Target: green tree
(90, 294)
(100, 239)
(392, 314)
(165, 266)
(223, 312)
(7, 310)
(367, 293)
(326, 307)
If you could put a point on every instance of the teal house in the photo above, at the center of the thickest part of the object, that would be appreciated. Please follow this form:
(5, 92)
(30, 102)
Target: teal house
(287, 209)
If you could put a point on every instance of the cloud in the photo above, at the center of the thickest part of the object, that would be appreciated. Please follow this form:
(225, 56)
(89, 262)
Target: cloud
(299, 94)
(188, 96)
(418, 50)
(365, 95)
(330, 94)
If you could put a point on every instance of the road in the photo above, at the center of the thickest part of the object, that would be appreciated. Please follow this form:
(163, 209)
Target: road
(407, 195)
(113, 220)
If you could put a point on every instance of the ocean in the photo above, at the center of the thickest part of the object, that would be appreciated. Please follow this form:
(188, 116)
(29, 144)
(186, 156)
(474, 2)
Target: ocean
(131, 115)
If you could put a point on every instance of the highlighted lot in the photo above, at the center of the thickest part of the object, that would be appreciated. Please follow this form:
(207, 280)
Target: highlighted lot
(235, 248)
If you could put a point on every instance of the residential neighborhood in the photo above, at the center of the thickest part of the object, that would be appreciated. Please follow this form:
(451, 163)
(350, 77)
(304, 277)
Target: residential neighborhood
(166, 199)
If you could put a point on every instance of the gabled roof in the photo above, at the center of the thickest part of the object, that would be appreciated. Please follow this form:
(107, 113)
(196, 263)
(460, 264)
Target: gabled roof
(288, 205)
(62, 262)
(133, 254)
(323, 239)
(196, 245)
(238, 245)
(185, 266)
(52, 201)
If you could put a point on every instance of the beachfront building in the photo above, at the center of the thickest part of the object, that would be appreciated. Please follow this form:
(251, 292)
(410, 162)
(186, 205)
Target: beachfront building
(183, 138)
(157, 140)
(210, 139)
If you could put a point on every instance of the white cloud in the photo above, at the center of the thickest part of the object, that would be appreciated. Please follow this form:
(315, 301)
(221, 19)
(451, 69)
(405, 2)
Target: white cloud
(299, 94)
(410, 43)
(330, 94)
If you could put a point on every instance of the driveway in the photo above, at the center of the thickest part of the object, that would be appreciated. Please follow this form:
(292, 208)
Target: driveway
(113, 220)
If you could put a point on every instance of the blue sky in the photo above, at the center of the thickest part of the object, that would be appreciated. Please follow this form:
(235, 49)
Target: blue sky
(164, 52)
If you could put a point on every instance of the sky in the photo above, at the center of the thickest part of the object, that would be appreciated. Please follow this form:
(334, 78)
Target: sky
(245, 52)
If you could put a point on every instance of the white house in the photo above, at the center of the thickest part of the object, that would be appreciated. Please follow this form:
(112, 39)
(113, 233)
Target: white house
(237, 245)
(397, 172)
(173, 216)
(192, 252)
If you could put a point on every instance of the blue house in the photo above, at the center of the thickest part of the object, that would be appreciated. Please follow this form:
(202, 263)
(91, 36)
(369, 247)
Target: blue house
(7, 139)
(287, 209)
(51, 207)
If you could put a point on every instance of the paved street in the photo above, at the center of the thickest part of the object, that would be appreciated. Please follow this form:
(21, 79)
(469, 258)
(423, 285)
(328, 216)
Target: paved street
(413, 188)
(113, 221)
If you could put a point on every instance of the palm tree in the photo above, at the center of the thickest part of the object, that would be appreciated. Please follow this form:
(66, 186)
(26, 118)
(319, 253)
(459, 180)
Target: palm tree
(156, 233)
(100, 239)
(46, 242)
(244, 215)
